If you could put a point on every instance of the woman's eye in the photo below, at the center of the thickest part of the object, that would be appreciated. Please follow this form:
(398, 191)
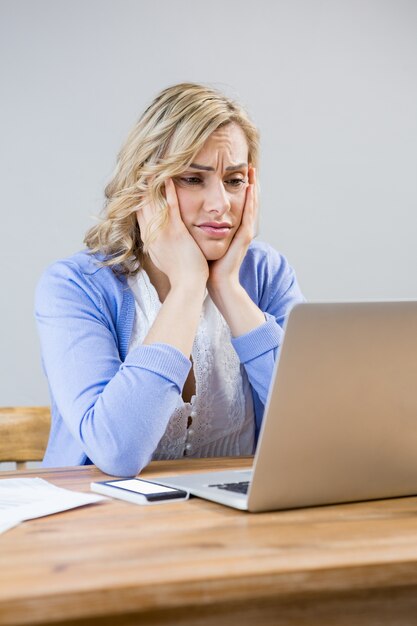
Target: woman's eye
(191, 180)
(235, 182)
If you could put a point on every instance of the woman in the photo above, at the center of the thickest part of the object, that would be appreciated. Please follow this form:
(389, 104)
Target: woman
(159, 340)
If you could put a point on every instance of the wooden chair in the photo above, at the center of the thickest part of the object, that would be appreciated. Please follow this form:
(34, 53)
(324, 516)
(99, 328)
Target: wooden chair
(24, 432)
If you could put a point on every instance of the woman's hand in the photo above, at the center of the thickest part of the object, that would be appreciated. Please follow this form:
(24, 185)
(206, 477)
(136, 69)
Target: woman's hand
(174, 252)
(224, 272)
(239, 311)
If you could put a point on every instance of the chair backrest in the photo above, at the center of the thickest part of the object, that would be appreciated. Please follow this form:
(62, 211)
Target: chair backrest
(24, 432)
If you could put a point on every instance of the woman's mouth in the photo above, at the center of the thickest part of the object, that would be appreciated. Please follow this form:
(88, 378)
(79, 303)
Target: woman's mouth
(215, 229)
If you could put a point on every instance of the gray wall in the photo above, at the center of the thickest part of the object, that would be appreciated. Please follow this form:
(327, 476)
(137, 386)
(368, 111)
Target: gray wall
(332, 84)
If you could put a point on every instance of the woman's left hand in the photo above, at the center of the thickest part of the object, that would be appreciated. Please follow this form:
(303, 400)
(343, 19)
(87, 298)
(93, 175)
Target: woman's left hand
(225, 271)
(240, 312)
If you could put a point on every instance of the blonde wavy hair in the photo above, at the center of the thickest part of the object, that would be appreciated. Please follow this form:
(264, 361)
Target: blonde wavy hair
(162, 144)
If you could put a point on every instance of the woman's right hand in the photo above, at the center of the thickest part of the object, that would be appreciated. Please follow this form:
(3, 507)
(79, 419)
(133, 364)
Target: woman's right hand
(174, 251)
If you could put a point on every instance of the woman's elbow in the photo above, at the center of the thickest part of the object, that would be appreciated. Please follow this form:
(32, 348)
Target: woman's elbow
(121, 463)
(116, 456)
(115, 451)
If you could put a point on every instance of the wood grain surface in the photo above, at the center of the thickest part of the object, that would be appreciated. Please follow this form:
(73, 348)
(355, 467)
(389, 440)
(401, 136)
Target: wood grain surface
(200, 563)
(24, 432)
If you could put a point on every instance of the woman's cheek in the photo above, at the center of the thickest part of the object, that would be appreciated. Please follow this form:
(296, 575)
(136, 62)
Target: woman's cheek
(187, 205)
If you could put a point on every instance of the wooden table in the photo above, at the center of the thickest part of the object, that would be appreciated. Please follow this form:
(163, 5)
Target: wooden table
(199, 563)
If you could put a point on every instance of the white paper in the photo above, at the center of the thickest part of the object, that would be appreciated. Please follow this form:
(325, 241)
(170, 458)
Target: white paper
(26, 498)
(7, 525)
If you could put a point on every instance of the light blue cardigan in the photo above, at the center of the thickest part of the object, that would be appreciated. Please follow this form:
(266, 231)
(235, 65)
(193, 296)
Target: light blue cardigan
(112, 409)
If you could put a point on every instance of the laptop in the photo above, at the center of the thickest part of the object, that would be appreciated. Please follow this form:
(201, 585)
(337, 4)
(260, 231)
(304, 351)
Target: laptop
(340, 423)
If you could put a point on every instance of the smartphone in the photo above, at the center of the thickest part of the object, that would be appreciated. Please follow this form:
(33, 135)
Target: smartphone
(139, 491)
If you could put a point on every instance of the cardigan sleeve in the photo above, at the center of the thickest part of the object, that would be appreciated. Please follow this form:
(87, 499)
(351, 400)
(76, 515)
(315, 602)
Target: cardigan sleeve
(116, 411)
(276, 292)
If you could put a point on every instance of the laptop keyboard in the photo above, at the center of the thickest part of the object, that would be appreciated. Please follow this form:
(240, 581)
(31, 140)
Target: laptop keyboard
(241, 487)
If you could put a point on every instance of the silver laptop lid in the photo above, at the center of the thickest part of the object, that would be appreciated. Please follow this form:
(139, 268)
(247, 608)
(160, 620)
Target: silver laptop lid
(341, 418)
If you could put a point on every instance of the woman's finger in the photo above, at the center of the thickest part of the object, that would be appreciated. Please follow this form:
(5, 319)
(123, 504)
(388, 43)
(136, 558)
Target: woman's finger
(255, 214)
(251, 175)
(252, 181)
(172, 199)
(249, 208)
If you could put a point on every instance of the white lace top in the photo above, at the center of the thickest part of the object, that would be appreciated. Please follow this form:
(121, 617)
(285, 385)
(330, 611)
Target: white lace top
(222, 415)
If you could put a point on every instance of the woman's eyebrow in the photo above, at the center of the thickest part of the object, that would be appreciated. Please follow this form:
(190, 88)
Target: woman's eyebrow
(206, 168)
(239, 166)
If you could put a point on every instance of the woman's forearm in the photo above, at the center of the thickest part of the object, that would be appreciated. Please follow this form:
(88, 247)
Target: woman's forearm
(240, 312)
(177, 321)
(122, 428)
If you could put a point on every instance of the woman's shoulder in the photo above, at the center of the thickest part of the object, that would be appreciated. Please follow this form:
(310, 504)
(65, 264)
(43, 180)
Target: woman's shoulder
(264, 269)
(83, 262)
(84, 265)
(261, 256)
(268, 278)
(80, 273)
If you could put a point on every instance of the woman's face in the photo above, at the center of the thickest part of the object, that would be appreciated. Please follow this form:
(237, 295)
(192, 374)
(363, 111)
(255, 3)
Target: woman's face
(212, 191)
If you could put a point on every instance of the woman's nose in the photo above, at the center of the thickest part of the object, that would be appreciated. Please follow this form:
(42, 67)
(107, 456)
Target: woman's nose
(217, 200)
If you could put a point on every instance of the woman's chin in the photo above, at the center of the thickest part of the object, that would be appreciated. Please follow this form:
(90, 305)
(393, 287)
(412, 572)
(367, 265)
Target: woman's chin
(215, 251)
